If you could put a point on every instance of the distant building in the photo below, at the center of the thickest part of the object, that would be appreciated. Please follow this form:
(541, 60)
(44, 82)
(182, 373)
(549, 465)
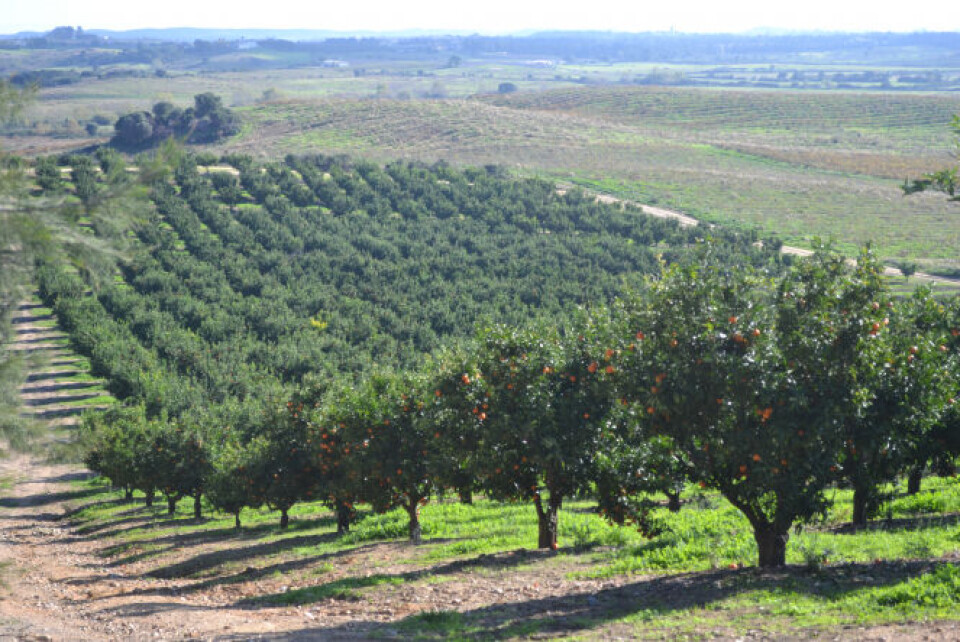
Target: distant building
(339, 64)
(541, 63)
(246, 45)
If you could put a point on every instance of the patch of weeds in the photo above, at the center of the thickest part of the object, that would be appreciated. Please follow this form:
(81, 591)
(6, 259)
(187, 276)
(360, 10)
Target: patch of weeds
(440, 619)
(392, 525)
(346, 589)
(320, 569)
(814, 555)
(919, 504)
(445, 625)
(5, 568)
(584, 535)
(938, 589)
(464, 547)
(21, 433)
(64, 452)
(918, 547)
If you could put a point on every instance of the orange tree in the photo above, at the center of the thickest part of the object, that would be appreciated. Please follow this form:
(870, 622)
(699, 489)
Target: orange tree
(341, 426)
(635, 459)
(281, 461)
(943, 443)
(229, 485)
(632, 464)
(458, 408)
(110, 441)
(396, 445)
(183, 464)
(544, 399)
(910, 371)
(752, 378)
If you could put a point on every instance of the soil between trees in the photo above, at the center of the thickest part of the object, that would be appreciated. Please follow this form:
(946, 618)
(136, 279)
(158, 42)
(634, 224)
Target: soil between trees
(63, 582)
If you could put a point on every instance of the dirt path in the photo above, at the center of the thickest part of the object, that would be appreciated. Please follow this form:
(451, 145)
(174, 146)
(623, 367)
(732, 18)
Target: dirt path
(57, 585)
(688, 221)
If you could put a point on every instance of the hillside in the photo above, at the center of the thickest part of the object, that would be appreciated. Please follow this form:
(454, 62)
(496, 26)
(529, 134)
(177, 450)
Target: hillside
(748, 158)
(238, 286)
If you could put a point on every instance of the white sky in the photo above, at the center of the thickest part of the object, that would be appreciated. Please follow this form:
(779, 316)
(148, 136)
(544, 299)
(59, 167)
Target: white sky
(485, 16)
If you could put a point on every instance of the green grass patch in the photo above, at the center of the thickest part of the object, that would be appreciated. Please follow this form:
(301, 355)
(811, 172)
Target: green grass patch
(696, 579)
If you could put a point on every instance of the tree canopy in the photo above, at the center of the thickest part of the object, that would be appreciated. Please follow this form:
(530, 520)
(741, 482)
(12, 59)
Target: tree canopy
(207, 121)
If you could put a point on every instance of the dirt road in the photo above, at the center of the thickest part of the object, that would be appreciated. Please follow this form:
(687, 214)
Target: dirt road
(689, 221)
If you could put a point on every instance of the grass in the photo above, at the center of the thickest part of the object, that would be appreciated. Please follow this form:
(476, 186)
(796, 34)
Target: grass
(6, 568)
(696, 579)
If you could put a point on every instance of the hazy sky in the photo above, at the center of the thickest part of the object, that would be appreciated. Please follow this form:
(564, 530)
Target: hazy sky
(484, 16)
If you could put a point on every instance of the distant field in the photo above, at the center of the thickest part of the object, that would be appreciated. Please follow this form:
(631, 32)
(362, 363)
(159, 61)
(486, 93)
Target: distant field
(655, 156)
(799, 163)
(882, 134)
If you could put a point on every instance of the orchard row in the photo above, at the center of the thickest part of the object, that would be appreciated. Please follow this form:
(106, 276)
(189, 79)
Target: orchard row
(272, 328)
(769, 388)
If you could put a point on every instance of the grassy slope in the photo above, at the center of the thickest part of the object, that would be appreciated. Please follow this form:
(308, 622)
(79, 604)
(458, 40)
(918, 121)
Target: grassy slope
(663, 158)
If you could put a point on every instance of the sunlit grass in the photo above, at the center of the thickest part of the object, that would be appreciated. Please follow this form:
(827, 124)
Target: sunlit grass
(891, 571)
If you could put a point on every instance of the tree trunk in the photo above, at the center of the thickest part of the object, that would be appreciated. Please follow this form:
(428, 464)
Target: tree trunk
(236, 520)
(548, 521)
(344, 514)
(149, 498)
(673, 502)
(128, 493)
(197, 509)
(466, 496)
(284, 518)
(171, 505)
(861, 505)
(413, 510)
(914, 480)
(772, 546)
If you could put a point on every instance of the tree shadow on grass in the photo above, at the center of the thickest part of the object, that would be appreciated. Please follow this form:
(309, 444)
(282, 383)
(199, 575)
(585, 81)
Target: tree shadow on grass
(213, 559)
(899, 524)
(583, 613)
(137, 516)
(158, 546)
(45, 499)
(344, 588)
(217, 558)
